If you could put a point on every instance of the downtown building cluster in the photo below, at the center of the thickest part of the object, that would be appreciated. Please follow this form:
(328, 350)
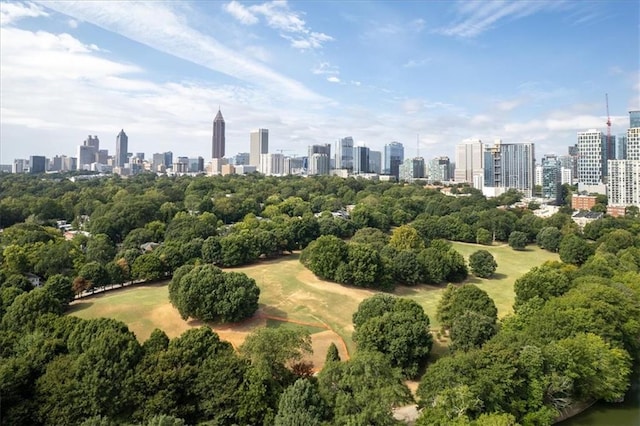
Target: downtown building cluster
(597, 163)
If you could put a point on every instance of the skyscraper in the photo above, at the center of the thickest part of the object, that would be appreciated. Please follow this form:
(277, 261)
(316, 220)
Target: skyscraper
(469, 162)
(438, 170)
(259, 144)
(375, 162)
(37, 164)
(551, 178)
(218, 140)
(122, 146)
(411, 169)
(318, 159)
(592, 160)
(510, 166)
(623, 183)
(393, 156)
(344, 153)
(634, 119)
(360, 159)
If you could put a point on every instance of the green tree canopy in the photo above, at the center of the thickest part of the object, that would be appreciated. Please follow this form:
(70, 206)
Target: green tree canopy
(207, 293)
(458, 300)
(482, 264)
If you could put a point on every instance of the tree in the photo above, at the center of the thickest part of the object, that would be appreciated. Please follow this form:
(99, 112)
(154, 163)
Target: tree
(482, 264)
(518, 240)
(324, 255)
(363, 390)
(549, 238)
(458, 300)
(207, 293)
(100, 249)
(599, 371)
(543, 281)
(332, 354)
(484, 237)
(396, 327)
(574, 249)
(94, 273)
(364, 268)
(406, 268)
(25, 310)
(406, 237)
(470, 330)
(147, 267)
(60, 287)
(372, 236)
(301, 404)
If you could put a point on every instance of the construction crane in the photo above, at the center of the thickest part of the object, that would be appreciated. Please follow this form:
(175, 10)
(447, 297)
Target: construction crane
(610, 148)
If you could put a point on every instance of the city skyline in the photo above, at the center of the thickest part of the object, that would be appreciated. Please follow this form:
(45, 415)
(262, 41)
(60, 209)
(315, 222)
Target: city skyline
(314, 72)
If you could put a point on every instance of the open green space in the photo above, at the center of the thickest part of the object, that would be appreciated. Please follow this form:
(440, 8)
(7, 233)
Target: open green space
(289, 292)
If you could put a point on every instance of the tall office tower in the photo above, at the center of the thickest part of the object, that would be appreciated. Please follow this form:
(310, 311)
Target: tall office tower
(510, 166)
(259, 144)
(86, 156)
(360, 159)
(168, 159)
(241, 158)
(393, 156)
(470, 162)
(271, 164)
(621, 147)
(538, 175)
(122, 146)
(157, 162)
(623, 183)
(196, 165)
(19, 165)
(320, 149)
(318, 164)
(69, 164)
(438, 169)
(375, 162)
(55, 164)
(102, 156)
(344, 153)
(592, 160)
(552, 179)
(92, 142)
(218, 140)
(634, 119)
(37, 164)
(411, 169)
(633, 143)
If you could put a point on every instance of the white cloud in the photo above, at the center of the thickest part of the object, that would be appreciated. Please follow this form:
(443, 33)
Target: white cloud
(72, 23)
(416, 63)
(241, 13)
(325, 68)
(12, 12)
(333, 79)
(157, 25)
(279, 16)
(476, 17)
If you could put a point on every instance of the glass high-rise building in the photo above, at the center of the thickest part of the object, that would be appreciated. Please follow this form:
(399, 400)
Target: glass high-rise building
(393, 156)
(634, 119)
(552, 178)
(218, 139)
(469, 162)
(360, 159)
(511, 166)
(592, 157)
(259, 144)
(344, 153)
(122, 146)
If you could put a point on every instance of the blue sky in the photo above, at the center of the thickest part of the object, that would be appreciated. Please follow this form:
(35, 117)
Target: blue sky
(313, 72)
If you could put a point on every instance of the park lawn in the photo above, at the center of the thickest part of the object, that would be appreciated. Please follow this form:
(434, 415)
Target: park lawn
(291, 293)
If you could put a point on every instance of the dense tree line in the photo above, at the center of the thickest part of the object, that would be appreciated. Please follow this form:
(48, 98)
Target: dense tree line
(574, 334)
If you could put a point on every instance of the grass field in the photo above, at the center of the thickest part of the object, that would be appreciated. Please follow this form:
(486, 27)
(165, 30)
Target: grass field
(293, 296)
